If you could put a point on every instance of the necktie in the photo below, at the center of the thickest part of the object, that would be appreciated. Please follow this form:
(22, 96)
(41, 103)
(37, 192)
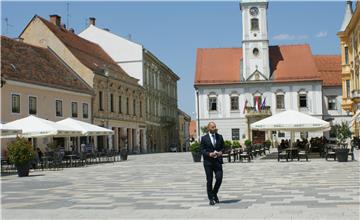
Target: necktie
(214, 140)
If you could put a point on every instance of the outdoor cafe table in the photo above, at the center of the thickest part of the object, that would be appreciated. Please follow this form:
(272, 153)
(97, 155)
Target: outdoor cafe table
(292, 151)
(71, 157)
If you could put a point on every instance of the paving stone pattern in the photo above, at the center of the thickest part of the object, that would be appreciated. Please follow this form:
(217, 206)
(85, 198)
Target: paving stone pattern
(170, 185)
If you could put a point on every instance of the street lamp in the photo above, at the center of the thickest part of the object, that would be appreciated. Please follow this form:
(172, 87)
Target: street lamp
(198, 114)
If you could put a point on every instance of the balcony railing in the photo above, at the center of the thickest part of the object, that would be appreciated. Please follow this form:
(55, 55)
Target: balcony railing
(251, 111)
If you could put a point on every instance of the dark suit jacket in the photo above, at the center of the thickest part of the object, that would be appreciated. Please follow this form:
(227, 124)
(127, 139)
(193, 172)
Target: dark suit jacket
(206, 147)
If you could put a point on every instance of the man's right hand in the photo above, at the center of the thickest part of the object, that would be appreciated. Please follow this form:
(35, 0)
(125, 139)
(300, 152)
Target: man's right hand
(212, 154)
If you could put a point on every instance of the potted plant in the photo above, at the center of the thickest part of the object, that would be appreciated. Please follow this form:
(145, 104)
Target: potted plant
(195, 151)
(227, 144)
(343, 132)
(236, 144)
(21, 154)
(247, 143)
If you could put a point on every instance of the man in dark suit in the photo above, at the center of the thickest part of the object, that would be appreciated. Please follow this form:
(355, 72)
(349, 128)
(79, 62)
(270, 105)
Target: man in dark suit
(212, 146)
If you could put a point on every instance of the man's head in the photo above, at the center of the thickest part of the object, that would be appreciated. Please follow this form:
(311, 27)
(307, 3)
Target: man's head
(211, 127)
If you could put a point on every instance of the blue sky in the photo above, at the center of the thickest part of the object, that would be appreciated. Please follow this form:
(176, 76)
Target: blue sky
(174, 30)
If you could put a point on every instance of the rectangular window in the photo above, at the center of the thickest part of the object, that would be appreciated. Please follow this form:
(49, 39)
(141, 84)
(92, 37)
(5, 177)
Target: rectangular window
(280, 104)
(281, 134)
(85, 110)
(134, 107)
(101, 101)
(58, 106)
(120, 105)
(332, 103)
(127, 105)
(74, 109)
(32, 105)
(254, 24)
(140, 108)
(111, 102)
(346, 55)
(235, 134)
(15, 103)
(212, 104)
(347, 88)
(302, 101)
(234, 103)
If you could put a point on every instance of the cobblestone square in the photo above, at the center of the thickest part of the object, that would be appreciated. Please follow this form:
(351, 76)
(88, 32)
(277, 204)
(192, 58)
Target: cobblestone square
(171, 185)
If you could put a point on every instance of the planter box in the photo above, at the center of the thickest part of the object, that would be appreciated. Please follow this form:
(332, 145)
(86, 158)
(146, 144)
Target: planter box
(23, 170)
(342, 154)
(196, 157)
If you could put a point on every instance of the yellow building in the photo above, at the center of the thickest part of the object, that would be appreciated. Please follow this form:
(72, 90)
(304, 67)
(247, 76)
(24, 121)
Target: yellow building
(349, 35)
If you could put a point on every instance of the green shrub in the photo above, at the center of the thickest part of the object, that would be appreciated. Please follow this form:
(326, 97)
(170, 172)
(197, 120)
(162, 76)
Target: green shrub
(20, 152)
(227, 144)
(247, 142)
(236, 144)
(195, 147)
(268, 143)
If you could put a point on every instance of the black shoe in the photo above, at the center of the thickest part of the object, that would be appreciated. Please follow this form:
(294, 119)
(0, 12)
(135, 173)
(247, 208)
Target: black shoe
(216, 199)
(212, 202)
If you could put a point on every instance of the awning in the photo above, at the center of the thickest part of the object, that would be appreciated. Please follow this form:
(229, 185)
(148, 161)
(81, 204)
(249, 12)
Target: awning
(33, 126)
(86, 129)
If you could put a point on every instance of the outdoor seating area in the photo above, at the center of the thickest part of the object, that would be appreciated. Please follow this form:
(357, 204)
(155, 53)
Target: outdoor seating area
(58, 161)
(248, 153)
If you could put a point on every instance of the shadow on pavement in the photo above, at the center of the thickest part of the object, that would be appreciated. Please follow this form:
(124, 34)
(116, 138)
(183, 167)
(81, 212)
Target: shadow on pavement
(230, 201)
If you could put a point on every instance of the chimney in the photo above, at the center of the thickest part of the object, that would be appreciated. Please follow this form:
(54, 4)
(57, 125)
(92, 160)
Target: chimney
(92, 21)
(72, 30)
(55, 19)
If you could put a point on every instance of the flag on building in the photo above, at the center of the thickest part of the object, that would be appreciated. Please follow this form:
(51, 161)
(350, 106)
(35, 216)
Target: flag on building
(246, 101)
(263, 104)
(257, 104)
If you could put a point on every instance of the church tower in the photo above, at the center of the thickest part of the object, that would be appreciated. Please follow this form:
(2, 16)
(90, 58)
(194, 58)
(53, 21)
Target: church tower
(255, 42)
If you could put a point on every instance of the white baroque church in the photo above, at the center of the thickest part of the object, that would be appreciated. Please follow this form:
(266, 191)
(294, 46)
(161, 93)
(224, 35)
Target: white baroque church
(237, 86)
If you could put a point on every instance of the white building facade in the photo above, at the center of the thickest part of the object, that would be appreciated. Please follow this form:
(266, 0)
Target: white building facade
(238, 86)
(158, 80)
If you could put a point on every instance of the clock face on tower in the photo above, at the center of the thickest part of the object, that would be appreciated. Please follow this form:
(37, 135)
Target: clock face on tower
(254, 11)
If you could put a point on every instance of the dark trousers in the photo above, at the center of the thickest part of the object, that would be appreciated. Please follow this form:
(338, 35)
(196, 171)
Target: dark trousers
(210, 169)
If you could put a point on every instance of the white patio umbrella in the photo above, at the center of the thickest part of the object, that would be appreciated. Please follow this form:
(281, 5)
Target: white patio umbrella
(86, 129)
(7, 131)
(33, 126)
(292, 121)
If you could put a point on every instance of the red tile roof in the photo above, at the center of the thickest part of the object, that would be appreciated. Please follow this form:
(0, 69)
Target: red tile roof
(88, 53)
(36, 65)
(329, 67)
(287, 63)
(292, 63)
(218, 65)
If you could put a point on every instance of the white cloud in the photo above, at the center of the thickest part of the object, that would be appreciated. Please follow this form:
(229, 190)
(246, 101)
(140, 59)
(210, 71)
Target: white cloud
(321, 34)
(289, 37)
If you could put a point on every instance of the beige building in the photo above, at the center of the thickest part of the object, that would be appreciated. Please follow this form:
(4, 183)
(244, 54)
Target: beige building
(349, 35)
(35, 82)
(184, 135)
(160, 83)
(118, 103)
